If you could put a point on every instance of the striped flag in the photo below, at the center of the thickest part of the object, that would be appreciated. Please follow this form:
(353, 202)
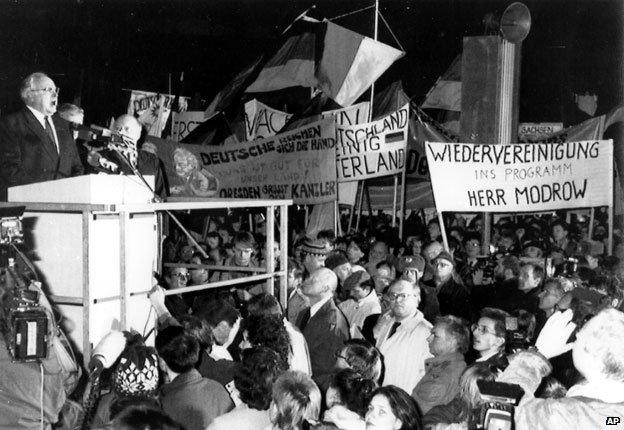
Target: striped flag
(323, 55)
(446, 92)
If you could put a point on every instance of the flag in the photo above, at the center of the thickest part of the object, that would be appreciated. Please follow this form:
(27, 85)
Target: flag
(323, 55)
(151, 109)
(446, 92)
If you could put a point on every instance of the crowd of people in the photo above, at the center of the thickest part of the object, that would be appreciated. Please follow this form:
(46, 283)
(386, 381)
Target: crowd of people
(377, 333)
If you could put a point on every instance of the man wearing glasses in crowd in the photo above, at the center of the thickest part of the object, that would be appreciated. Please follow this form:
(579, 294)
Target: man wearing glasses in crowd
(35, 144)
(401, 336)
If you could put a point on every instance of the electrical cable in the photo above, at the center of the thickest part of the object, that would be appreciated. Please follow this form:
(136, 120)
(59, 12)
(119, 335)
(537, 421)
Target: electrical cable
(41, 395)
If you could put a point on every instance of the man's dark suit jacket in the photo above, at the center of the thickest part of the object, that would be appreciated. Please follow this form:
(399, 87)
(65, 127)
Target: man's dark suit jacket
(27, 155)
(325, 334)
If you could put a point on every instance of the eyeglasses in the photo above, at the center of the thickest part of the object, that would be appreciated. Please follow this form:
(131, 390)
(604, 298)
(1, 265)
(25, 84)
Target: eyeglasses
(337, 355)
(50, 90)
(396, 297)
(481, 329)
(180, 275)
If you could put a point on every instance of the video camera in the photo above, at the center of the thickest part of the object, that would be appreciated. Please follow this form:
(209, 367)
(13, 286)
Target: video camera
(497, 413)
(23, 321)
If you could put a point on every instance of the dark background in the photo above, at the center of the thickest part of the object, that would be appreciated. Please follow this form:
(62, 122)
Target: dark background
(94, 49)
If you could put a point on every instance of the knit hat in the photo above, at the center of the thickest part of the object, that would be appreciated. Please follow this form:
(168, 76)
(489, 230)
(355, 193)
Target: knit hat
(356, 279)
(411, 262)
(445, 255)
(315, 247)
(137, 372)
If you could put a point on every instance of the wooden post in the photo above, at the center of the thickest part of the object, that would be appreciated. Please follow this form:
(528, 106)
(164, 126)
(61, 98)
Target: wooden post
(359, 206)
(395, 190)
(269, 251)
(443, 231)
(283, 255)
(610, 238)
(403, 197)
(590, 230)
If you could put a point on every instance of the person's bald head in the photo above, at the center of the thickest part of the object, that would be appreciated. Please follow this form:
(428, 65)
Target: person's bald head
(128, 126)
(432, 250)
(321, 284)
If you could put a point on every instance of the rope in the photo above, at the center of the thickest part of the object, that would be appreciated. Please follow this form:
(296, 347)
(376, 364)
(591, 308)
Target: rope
(391, 32)
(351, 13)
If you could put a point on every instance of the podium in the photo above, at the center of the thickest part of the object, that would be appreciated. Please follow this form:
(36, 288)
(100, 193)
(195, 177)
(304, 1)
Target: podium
(95, 241)
(91, 255)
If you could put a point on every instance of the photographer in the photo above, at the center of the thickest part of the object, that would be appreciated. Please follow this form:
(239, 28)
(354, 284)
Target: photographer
(598, 354)
(32, 394)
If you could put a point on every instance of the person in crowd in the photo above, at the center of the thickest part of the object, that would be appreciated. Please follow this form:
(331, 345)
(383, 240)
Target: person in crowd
(244, 250)
(323, 325)
(224, 320)
(433, 230)
(339, 263)
(412, 269)
(598, 354)
(186, 396)
(402, 336)
(379, 252)
(465, 407)
(561, 246)
(200, 275)
(259, 368)
(135, 376)
(490, 336)
(266, 304)
(384, 274)
(226, 232)
(363, 301)
(295, 402)
(297, 301)
(391, 408)
(549, 297)
(314, 253)
(529, 281)
(495, 293)
(362, 357)
(532, 249)
(453, 297)
(213, 240)
(431, 251)
(448, 342)
(347, 400)
(35, 144)
(471, 261)
(328, 237)
(72, 114)
(269, 331)
(176, 278)
(145, 418)
(357, 251)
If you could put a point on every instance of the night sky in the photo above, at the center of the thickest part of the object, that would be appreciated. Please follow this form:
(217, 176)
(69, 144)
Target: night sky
(94, 49)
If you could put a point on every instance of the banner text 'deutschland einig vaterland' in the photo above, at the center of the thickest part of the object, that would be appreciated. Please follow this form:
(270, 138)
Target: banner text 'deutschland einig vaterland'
(532, 177)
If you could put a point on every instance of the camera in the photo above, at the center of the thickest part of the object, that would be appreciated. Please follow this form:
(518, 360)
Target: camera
(497, 413)
(23, 322)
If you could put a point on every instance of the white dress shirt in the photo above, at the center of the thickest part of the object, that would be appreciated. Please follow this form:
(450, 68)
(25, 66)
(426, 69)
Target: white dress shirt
(42, 120)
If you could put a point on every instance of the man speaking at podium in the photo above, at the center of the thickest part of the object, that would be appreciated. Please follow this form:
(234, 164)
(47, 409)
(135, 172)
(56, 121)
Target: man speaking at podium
(36, 146)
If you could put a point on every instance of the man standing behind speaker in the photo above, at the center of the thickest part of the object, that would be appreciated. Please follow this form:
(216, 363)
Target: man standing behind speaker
(36, 146)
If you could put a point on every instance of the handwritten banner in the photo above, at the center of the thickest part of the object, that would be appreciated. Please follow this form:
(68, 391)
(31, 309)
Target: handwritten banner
(521, 177)
(185, 122)
(298, 165)
(262, 121)
(372, 149)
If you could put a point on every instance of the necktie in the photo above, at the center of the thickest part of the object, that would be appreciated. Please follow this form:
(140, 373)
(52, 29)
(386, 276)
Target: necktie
(49, 132)
(305, 317)
(393, 329)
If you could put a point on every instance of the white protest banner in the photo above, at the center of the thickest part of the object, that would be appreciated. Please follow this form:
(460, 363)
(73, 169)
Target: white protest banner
(372, 149)
(151, 109)
(185, 122)
(520, 177)
(263, 121)
(350, 115)
(538, 130)
(298, 165)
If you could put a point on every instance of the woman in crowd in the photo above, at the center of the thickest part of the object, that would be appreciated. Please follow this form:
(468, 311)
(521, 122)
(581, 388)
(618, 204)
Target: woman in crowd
(347, 400)
(295, 402)
(391, 408)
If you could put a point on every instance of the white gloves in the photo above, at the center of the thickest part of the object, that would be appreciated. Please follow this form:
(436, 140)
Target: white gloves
(552, 340)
